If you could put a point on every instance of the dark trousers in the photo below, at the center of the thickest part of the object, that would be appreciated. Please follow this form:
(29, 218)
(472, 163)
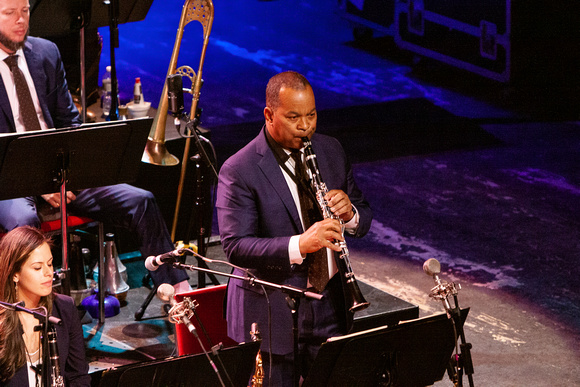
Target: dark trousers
(120, 205)
(317, 321)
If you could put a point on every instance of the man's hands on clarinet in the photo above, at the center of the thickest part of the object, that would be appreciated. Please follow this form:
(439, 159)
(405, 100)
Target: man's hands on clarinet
(340, 204)
(325, 232)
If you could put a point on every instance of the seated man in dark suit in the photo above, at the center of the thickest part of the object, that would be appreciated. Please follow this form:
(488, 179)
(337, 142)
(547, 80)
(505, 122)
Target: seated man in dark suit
(34, 96)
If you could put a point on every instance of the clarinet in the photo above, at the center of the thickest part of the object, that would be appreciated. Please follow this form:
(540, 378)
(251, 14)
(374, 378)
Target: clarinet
(352, 290)
(56, 378)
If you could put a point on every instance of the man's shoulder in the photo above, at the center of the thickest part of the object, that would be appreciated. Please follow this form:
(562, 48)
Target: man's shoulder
(249, 153)
(34, 43)
(324, 138)
(40, 48)
(324, 141)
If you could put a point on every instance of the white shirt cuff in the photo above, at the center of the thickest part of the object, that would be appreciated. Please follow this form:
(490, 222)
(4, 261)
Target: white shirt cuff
(294, 251)
(352, 225)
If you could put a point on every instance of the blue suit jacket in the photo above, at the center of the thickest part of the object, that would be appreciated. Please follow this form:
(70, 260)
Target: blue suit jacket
(47, 71)
(257, 216)
(71, 347)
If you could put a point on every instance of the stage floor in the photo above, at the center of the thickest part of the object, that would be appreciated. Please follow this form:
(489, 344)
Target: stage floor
(482, 176)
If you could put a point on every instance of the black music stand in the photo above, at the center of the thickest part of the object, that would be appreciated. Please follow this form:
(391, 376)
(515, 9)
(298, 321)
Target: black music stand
(414, 353)
(203, 206)
(76, 15)
(67, 14)
(200, 218)
(133, 10)
(191, 370)
(57, 160)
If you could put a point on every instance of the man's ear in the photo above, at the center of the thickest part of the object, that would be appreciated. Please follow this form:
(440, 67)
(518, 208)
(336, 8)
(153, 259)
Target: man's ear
(268, 114)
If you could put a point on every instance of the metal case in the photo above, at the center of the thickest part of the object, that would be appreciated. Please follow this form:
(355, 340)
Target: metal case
(523, 42)
(474, 36)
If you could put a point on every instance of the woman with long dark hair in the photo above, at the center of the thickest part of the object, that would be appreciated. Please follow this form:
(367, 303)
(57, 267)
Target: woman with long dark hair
(26, 274)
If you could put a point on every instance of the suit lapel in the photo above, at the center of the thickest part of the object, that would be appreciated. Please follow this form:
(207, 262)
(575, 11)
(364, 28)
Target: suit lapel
(34, 62)
(271, 170)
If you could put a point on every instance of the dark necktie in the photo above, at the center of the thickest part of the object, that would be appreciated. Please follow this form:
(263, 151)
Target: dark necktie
(27, 111)
(317, 261)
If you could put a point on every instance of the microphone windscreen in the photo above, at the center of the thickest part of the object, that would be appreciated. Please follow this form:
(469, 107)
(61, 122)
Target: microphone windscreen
(165, 292)
(432, 267)
(150, 263)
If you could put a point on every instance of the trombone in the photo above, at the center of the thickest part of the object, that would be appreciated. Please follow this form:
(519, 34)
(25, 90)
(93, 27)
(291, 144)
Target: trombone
(155, 149)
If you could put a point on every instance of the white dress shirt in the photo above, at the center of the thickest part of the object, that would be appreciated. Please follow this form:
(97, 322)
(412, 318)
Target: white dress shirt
(11, 89)
(294, 245)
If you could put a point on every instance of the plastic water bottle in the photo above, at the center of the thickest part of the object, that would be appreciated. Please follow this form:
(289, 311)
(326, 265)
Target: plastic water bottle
(106, 98)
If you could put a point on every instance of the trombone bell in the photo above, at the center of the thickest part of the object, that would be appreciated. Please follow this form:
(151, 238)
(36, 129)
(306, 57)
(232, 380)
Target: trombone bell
(156, 153)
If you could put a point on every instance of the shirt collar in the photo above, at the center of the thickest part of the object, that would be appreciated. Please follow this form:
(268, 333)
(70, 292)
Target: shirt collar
(281, 153)
(4, 54)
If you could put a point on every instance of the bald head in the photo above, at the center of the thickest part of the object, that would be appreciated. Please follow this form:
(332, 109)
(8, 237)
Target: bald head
(288, 80)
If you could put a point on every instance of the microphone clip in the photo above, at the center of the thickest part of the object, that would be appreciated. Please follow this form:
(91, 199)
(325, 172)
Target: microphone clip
(443, 290)
(181, 310)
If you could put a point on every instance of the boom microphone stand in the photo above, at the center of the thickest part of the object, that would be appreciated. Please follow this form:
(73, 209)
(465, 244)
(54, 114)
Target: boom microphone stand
(462, 360)
(201, 199)
(191, 131)
(45, 321)
(181, 312)
(113, 8)
(201, 215)
(294, 295)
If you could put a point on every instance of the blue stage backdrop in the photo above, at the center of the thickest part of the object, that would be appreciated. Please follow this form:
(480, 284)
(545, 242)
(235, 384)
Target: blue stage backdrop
(250, 41)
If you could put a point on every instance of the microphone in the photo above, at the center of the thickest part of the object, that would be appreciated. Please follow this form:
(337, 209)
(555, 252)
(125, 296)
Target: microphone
(175, 96)
(165, 293)
(152, 263)
(432, 268)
